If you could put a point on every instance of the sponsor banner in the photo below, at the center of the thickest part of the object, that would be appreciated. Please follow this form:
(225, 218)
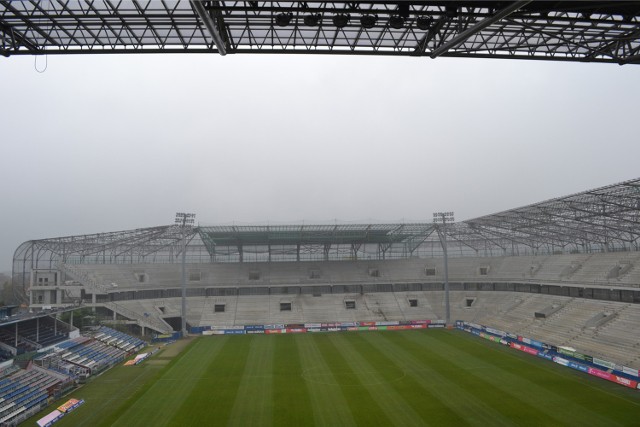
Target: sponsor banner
(526, 340)
(435, 325)
(253, 327)
(313, 325)
(70, 405)
(630, 371)
(423, 326)
(329, 325)
(233, 331)
(363, 328)
(625, 381)
(213, 332)
(382, 328)
(275, 331)
(349, 324)
(535, 343)
(334, 329)
(256, 331)
(50, 418)
(600, 374)
(367, 323)
(388, 323)
(495, 332)
(561, 361)
(420, 322)
(545, 355)
(275, 326)
(313, 330)
(503, 341)
(294, 325)
(352, 328)
(296, 330)
(228, 327)
(475, 325)
(579, 355)
(605, 363)
(439, 322)
(578, 366)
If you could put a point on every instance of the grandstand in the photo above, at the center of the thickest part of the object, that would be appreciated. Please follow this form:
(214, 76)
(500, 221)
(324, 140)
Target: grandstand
(564, 271)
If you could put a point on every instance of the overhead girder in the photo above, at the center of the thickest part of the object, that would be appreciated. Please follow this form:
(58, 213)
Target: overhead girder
(569, 31)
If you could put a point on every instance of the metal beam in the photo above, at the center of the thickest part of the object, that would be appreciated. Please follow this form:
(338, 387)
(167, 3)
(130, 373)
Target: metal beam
(210, 24)
(503, 13)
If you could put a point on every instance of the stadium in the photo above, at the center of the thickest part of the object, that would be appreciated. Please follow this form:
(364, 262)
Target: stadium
(560, 276)
(527, 316)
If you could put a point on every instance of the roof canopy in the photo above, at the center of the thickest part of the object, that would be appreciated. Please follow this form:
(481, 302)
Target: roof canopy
(603, 219)
(588, 31)
(312, 234)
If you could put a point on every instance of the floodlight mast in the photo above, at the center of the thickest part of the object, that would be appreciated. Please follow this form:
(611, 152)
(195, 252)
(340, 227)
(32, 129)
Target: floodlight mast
(443, 218)
(183, 220)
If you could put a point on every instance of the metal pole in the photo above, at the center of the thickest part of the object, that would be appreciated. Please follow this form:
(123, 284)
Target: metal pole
(184, 283)
(443, 217)
(446, 273)
(182, 220)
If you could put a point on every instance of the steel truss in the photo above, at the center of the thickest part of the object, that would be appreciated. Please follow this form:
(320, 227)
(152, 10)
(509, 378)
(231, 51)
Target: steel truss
(606, 219)
(563, 30)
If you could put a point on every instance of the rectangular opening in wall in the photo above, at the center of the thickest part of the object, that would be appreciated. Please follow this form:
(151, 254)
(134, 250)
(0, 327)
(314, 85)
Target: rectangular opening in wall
(254, 275)
(161, 309)
(218, 308)
(314, 274)
(374, 272)
(350, 305)
(285, 306)
(195, 276)
(142, 277)
(468, 302)
(430, 271)
(413, 302)
(484, 271)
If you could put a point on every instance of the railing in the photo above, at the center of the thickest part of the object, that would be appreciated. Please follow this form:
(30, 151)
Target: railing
(148, 322)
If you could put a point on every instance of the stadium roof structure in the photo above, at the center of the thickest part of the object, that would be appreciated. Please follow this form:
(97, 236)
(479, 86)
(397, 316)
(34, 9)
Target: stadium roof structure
(599, 220)
(588, 31)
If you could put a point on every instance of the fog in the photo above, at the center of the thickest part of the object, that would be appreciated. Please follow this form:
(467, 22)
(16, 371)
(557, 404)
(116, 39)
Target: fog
(112, 142)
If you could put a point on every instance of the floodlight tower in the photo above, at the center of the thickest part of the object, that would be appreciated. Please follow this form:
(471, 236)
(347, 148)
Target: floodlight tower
(184, 220)
(443, 218)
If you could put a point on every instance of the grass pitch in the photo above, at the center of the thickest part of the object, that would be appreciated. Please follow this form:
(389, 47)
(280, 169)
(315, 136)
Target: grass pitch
(401, 378)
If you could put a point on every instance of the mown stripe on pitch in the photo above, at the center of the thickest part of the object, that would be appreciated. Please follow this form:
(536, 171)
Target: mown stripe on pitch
(215, 392)
(500, 394)
(254, 401)
(374, 379)
(328, 403)
(365, 410)
(292, 405)
(453, 392)
(418, 393)
(549, 389)
(171, 389)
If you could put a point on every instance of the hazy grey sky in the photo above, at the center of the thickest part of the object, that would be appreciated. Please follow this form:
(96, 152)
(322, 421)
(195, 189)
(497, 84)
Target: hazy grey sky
(106, 143)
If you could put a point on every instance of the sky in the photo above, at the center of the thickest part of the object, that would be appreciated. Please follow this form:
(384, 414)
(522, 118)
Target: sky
(100, 143)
